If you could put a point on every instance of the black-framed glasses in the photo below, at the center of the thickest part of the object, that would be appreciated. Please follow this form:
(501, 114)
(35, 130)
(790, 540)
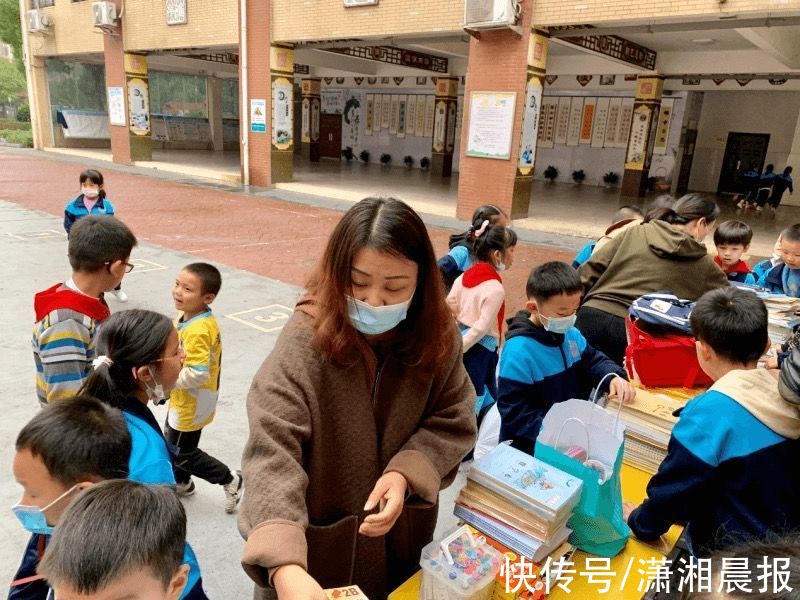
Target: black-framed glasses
(128, 266)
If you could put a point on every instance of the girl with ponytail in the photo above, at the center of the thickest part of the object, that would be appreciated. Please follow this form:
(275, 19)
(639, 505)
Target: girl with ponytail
(139, 358)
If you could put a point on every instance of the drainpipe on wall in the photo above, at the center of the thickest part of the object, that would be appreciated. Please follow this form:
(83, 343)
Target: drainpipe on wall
(26, 60)
(244, 114)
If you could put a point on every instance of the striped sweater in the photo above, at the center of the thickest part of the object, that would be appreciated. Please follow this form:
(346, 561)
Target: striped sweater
(63, 340)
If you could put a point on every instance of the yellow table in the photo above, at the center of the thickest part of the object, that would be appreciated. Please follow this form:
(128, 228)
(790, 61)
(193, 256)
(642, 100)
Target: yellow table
(634, 484)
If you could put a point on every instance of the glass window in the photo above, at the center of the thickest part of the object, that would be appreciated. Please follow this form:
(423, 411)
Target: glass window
(178, 95)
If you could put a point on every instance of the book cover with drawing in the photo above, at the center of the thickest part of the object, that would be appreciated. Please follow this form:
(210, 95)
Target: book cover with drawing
(517, 475)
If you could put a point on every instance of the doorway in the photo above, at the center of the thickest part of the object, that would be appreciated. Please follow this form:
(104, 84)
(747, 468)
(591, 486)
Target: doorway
(330, 133)
(744, 151)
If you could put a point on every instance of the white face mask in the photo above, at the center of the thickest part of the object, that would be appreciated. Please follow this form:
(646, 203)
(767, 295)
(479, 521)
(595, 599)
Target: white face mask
(558, 324)
(90, 192)
(371, 320)
(156, 393)
(501, 266)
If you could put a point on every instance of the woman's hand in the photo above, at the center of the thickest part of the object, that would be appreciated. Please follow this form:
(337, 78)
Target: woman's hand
(389, 493)
(623, 390)
(292, 582)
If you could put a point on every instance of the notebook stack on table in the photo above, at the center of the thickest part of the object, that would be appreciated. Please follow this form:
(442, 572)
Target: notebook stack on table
(782, 319)
(519, 501)
(648, 424)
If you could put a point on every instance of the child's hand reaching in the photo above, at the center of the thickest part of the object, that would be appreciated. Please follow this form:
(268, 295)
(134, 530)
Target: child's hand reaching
(622, 390)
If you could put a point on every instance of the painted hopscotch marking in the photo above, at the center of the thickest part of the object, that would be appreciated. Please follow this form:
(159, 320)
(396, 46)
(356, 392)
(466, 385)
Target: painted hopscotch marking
(142, 265)
(38, 235)
(264, 318)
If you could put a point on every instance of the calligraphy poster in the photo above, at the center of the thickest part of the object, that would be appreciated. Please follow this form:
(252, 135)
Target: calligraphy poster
(451, 127)
(589, 107)
(600, 122)
(378, 109)
(530, 125)
(419, 126)
(370, 114)
(401, 119)
(575, 117)
(430, 108)
(664, 122)
(637, 146)
(305, 126)
(562, 120)
(395, 115)
(547, 120)
(612, 125)
(625, 119)
(491, 124)
(282, 125)
(386, 117)
(411, 115)
(439, 125)
(332, 102)
(315, 119)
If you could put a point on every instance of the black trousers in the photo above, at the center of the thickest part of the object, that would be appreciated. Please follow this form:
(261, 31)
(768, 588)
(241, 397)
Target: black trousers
(604, 331)
(190, 460)
(481, 365)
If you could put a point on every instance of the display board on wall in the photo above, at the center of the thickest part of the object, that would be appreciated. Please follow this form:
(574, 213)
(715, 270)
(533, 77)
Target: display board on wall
(491, 123)
(411, 115)
(419, 125)
(258, 115)
(395, 122)
(638, 141)
(546, 135)
(378, 110)
(530, 125)
(332, 102)
(612, 124)
(386, 112)
(430, 110)
(116, 106)
(451, 127)
(625, 120)
(600, 122)
(575, 117)
(282, 125)
(401, 120)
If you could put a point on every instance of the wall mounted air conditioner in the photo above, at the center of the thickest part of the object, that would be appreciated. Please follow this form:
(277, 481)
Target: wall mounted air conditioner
(105, 15)
(38, 22)
(490, 14)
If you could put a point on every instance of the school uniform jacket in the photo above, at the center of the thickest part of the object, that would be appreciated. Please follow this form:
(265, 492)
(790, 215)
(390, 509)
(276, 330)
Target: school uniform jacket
(739, 273)
(26, 585)
(538, 369)
(734, 478)
(773, 279)
(76, 209)
(321, 434)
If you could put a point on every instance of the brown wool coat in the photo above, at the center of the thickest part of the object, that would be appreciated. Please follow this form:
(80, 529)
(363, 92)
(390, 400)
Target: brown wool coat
(320, 437)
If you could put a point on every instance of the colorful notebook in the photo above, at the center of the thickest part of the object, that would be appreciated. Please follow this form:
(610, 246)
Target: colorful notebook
(521, 477)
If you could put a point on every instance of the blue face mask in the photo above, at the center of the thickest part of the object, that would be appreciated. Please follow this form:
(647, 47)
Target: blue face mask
(371, 320)
(33, 518)
(558, 324)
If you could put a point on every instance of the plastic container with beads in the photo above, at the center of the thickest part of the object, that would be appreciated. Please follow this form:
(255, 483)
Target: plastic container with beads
(460, 567)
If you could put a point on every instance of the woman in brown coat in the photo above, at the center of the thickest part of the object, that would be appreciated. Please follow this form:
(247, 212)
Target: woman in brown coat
(358, 418)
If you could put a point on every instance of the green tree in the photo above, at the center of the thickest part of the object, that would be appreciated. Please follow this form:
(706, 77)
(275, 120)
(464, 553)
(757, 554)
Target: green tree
(12, 82)
(10, 31)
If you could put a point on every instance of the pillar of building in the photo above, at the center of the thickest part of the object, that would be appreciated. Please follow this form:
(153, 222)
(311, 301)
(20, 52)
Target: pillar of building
(309, 138)
(649, 89)
(444, 126)
(41, 119)
(254, 94)
(531, 111)
(214, 103)
(498, 62)
(282, 111)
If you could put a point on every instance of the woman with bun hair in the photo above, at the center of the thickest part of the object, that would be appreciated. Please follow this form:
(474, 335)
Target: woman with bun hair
(665, 253)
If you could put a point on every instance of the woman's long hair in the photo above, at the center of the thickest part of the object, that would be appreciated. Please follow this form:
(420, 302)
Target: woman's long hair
(130, 339)
(425, 337)
(685, 210)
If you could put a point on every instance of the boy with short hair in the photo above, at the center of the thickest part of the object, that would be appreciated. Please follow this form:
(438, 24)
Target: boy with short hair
(69, 313)
(66, 447)
(625, 217)
(784, 278)
(546, 360)
(193, 401)
(119, 539)
(732, 239)
(731, 468)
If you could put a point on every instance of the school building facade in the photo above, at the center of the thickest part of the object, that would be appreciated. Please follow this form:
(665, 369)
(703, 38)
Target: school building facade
(683, 95)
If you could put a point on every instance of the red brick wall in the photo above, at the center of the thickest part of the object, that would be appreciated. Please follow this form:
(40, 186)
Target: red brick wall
(115, 77)
(497, 62)
(259, 86)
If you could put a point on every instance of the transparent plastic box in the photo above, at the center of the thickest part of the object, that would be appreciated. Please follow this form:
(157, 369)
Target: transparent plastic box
(459, 567)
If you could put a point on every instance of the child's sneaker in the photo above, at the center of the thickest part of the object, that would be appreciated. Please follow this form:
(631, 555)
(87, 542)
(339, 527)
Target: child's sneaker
(185, 489)
(233, 492)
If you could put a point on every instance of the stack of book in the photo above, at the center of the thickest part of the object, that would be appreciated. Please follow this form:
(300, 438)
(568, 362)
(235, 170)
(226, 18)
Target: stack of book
(519, 501)
(782, 319)
(648, 424)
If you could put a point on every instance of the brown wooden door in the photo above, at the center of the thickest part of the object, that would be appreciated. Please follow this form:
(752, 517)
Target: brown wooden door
(330, 133)
(685, 169)
(744, 151)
